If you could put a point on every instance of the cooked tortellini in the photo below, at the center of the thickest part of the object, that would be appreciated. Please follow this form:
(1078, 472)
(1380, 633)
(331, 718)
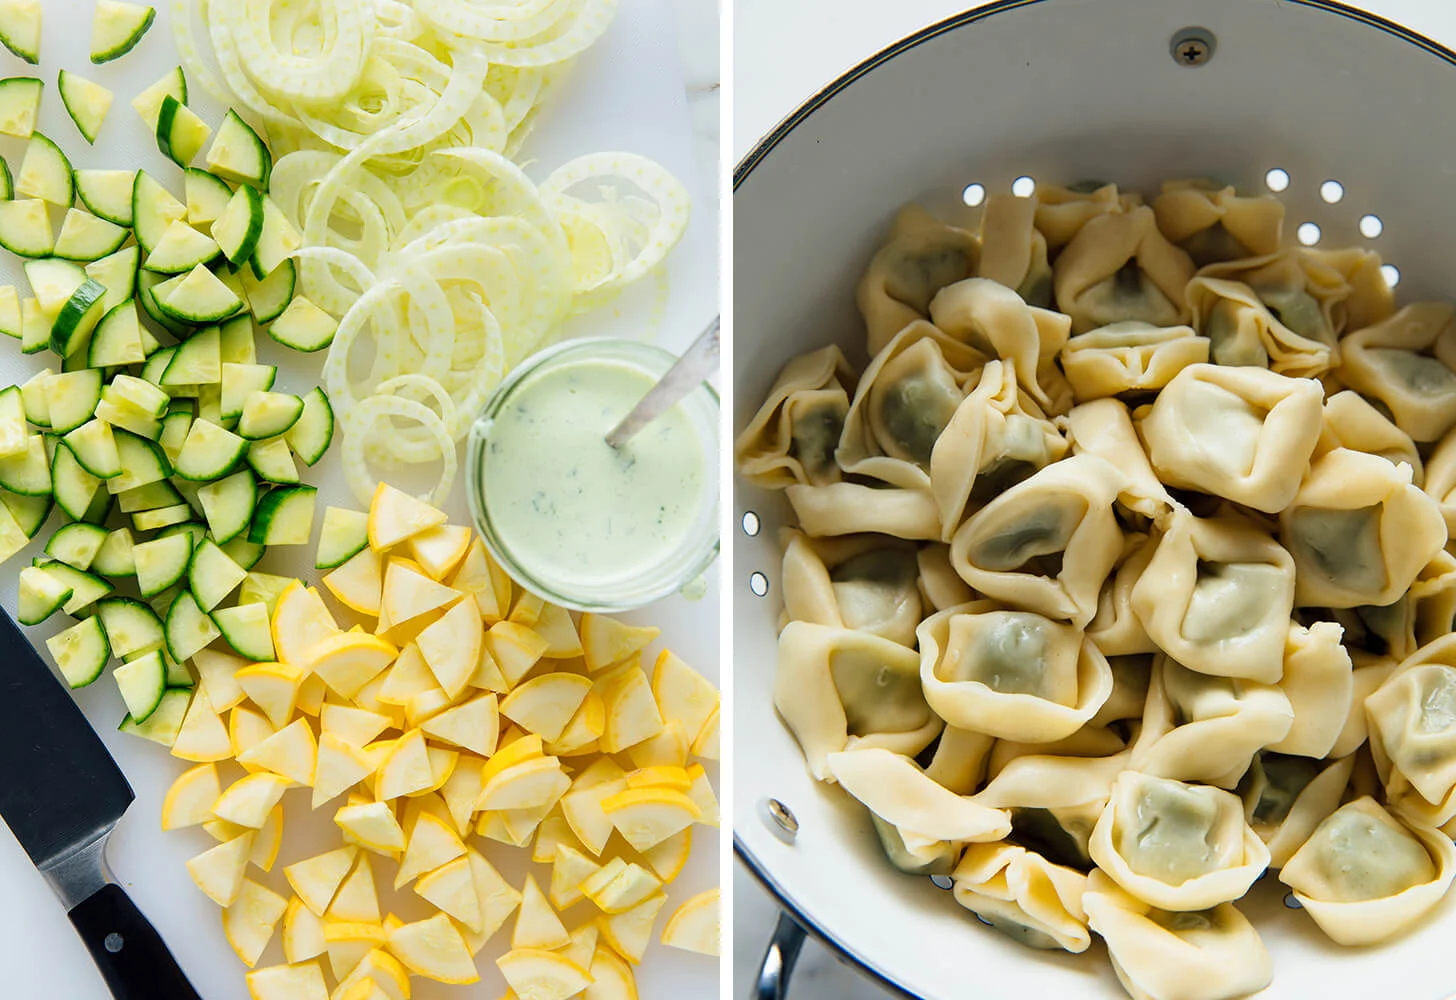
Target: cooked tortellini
(1121, 573)
(1365, 875)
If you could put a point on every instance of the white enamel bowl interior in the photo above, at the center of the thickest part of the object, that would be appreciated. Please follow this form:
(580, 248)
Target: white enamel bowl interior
(1063, 90)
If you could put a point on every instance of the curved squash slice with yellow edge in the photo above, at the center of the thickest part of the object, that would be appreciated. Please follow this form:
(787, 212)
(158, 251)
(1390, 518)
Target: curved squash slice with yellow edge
(358, 584)
(701, 792)
(249, 800)
(706, 745)
(569, 870)
(408, 593)
(340, 766)
(190, 800)
(668, 748)
(406, 769)
(394, 516)
(537, 925)
(605, 641)
(451, 889)
(632, 713)
(303, 932)
(619, 885)
(383, 973)
(528, 785)
(451, 646)
(217, 675)
(647, 816)
(432, 843)
(268, 840)
(407, 678)
(512, 753)
(291, 752)
(203, 737)
(349, 660)
(683, 694)
(515, 649)
(219, 871)
(273, 687)
(629, 933)
(434, 949)
(582, 734)
(473, 725)
(315, 880)
(300, 621)
(696, 925)
(249, 923)
(612, 977)
(476, 576)
(357, 900)
(542, 975)
(545, 705)
(373, 826)
(676, 778)
(668, 859)
(554, 624)
(582, 806)
(498, 898)
(440, 549)
(554, 831)
(246, 729)
(354, 932)
(355, 726)
(583, 945)
(288, 982)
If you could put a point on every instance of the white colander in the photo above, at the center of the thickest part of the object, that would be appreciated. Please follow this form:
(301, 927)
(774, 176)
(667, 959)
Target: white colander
(1284, 94)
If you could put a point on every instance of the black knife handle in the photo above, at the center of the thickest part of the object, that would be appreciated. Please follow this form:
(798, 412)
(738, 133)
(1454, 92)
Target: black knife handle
(131, 955)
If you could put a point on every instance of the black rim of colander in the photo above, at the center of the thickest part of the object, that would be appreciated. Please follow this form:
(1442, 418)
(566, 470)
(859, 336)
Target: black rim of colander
(767, 145)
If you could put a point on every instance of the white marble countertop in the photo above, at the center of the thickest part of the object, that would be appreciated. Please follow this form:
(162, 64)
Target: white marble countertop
(698, 42)
(783, 52)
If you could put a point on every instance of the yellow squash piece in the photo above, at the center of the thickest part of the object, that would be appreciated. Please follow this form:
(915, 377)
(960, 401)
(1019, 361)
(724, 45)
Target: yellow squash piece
(291, 752)
(395, 516)
(515, 649)
(476, 576)
(267, 840)
(696, 925)
(273, 687)
(408, 678)
(629, 933)
(534, 783)
(203, 737)
(357, 900)
(434, 949)
(373, 826)
(219, 871)
(451, 888)
(583, 945)
(341, 766)
(582, 806)
(384, 971)
(355, 726)
(668, 748)
(407, 768)
(537, 925)
(248, 924)
(702, 794)
(668, 859)
(440, 549)
(569, 870)
(545, 705)
(315, 880)
(451, 645)
(247, 728)
(349, 660)
(555, 626)
(250, 800)
(359, 583)
(303, 932)
(190, 799)
(542, 975)
(498, 898)
(409, 594)
(553, 832)
(612, 978)
(706, 745)
(216, 672)
(676, 778)
(583, 733)
(300, 620)
(647, 816)
(606, 641)
(288, 982)
(432, 843)
(461, 790)
(683, 694)
(619, 886)
(473, 725)
(631, 712)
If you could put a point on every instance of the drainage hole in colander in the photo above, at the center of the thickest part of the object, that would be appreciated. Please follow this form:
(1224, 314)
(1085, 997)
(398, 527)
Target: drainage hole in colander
(973, 194)
(1023, 187)
(1291, 902)
(1332, 191)
(750, 523)
(1308, 233)
(1277, 179)
(758, 583)
(1391, 273)
(1371, 226)
(942, 882)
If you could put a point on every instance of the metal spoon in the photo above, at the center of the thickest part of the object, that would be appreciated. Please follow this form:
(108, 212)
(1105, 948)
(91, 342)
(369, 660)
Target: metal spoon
(697, 363)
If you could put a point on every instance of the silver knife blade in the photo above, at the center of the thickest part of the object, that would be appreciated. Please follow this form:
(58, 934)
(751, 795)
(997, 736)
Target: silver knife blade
(61, 793)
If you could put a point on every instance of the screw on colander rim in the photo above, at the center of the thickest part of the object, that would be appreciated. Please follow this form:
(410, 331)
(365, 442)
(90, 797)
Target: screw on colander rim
(779, 819)
(1193, 46)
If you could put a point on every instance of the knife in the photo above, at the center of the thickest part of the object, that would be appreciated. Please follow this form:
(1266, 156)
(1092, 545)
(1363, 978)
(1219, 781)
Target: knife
(62, 795)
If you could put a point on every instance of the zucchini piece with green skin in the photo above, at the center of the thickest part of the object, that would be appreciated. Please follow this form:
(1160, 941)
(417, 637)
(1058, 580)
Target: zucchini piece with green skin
(41, 595)
(139, 393)
(240, 225)
(277, 241)
(25, 228)
(181, 248)
(28, 473)
(146, 282)
(161, 517)
(161, 562)
(209, 453)
(13, 430)
(86, 102)
(95, 448)
(53, 281)
(209, 405)
(180, 133)
(149, 497)
(206, 195)
(117, 339)
(244, 552)
(29, 513)
(107, 194)
(77, 318)
(118, 273)
(124, 416)
(148, 103)
(272, 461)
(33, 395)
(76, 544)
(197, 361)
(86, 588)
(239, 154)
(197, 297)
(267, 298)
(228, 505)
(142, 683)
(131, 627)
(114, 559)
(11, 320)
(20, 28)
(163, 725)
(245, 627)
(142, 462)
(239, 381)
(268, 415)
(237, 347)
(80, 652)
(191, 529)
(102, 504)
(174, 433)
(19, 105)
(343, 536)
(12, 538)
(71, 398)
(7, 184)
(284, 516)
(153, 210)
(116, 28)
(213, 575)
(74, 488)
(310, 437)
(86, 237)
(45, 173)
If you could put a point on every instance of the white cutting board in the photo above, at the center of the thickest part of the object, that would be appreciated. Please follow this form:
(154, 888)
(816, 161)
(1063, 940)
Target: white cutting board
(626, 93)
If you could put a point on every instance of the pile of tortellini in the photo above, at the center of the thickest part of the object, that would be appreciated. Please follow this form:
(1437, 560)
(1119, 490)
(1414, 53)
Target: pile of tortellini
(1120, 576)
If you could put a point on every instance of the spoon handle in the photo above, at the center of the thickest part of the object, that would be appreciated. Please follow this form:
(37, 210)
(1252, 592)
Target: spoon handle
(697, 363)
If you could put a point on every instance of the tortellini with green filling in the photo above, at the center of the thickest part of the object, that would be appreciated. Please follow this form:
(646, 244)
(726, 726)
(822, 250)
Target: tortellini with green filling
(1242, 332)
(1129, 357)
(1319, 681)
(1116, 628)
(894, 789)
(1054, 801)
(864, 582)
(1011, 674)
(923, 255)
(1286, 797)
(1413, 733)
(1212, 222)
(1119, 268)
(1061, 212)
(1365, 875)
(995, 320)
(1177, 846)
(1406, 365)
(1352, 422)
(1212, 954)
(793, 436)
(1104, 428)
(1013, 250)
(855, 508)
(1024, 896)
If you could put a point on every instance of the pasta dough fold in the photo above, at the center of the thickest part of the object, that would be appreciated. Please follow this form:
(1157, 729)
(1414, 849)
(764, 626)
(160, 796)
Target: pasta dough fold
(1214, 223)
(922, 256)
(1129, 357)
(793, 436)
(1406, 364)
(1024, 896)
(867, 582)
(1119, 267)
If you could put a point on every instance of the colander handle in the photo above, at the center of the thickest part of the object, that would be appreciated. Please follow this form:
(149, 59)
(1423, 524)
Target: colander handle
(779, 960)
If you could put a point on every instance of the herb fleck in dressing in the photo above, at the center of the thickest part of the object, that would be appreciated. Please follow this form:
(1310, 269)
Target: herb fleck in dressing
(567, 505)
